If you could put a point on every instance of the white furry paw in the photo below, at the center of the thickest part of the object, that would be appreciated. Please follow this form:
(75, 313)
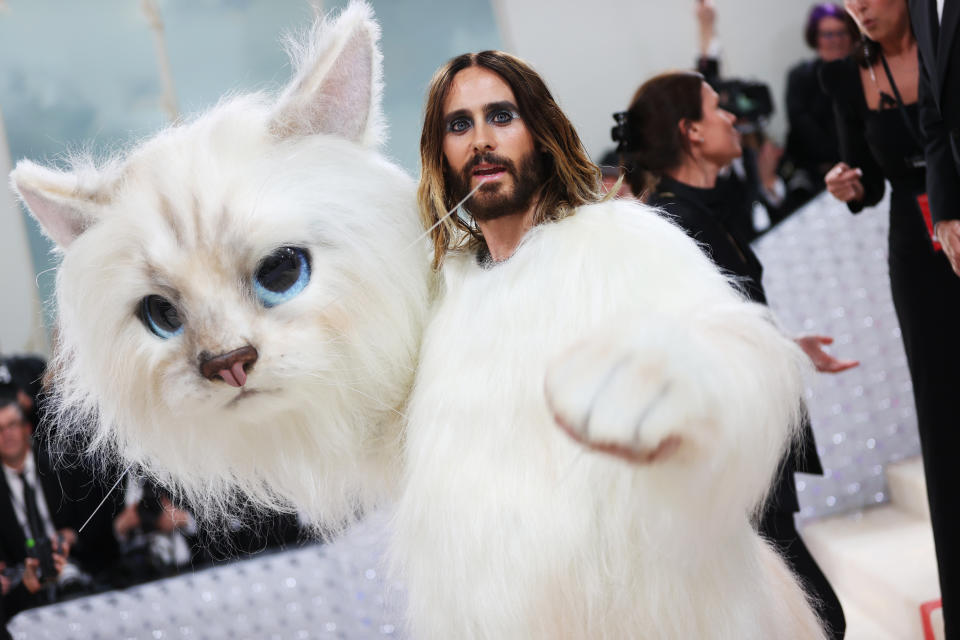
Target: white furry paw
(638, 402)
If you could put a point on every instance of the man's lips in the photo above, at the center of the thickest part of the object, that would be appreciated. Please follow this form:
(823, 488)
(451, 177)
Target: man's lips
(487, 172)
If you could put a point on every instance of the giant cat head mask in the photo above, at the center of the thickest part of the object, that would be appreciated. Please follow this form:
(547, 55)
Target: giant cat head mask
(241, 297)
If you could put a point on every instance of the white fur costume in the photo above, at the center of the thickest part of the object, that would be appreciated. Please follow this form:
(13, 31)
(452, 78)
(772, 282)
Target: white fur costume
(506, 528)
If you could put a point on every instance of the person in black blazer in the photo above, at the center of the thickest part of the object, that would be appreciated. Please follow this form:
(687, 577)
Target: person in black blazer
(72, 485)
(674, 141)
(935, 25)
(54, 522)
(812, 134)
(884, 100)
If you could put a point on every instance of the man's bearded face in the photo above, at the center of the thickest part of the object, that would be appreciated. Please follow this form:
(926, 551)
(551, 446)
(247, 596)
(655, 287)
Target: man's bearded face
(486, 142)
(497, 198)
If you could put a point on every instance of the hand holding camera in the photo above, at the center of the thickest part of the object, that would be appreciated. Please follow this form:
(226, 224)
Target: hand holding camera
(45, 561)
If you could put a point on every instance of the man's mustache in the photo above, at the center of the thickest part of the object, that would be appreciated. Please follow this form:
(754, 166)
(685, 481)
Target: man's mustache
(488, 158)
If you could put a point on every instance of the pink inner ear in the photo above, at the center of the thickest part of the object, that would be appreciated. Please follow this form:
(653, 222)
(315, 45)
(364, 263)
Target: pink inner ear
(60, 221)
(338, 102)
(345, 94)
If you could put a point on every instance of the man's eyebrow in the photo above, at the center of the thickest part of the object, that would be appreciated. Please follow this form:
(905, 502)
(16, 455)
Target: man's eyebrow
(453, 115)
(502, 105)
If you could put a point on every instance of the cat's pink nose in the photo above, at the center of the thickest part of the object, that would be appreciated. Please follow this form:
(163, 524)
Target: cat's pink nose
(232, 367)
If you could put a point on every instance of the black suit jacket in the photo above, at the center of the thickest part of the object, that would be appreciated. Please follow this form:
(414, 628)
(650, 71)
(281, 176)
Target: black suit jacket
(812, 139)
(13, 541)
(62, 512)
(72, 495)
(938, 48)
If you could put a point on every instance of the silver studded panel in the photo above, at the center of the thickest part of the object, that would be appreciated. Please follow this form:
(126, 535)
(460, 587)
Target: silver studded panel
(825, 272)
(318, 591)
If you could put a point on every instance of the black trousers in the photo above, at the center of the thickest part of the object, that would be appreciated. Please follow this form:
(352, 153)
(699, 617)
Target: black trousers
(926, 296)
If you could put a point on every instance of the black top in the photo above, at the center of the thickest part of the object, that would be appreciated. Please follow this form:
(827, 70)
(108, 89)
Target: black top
(812, 138)
(883, 146)
(708, 216)
(879, 142)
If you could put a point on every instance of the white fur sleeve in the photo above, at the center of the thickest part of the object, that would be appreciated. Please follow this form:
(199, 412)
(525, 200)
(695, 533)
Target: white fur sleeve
(685, 376)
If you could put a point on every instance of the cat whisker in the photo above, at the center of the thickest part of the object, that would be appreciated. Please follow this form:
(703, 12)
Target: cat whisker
(43, 273)
(444, 217)
(330, 381)
(379, 402)
(115, 484)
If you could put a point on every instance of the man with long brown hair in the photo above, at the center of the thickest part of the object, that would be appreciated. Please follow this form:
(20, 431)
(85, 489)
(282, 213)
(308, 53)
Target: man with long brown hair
(562, 312)
(491, 120)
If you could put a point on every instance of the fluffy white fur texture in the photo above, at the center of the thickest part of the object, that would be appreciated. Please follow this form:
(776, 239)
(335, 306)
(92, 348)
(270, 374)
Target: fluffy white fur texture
(189, 215)
(506, 527)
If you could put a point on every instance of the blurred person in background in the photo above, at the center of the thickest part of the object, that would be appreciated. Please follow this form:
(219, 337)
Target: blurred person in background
(26, 375)
(21, 587)
(34, 541)
(675, 138)
(80, 491)
(812, 138)
(767, 184)
(875, 95)
(157, 538)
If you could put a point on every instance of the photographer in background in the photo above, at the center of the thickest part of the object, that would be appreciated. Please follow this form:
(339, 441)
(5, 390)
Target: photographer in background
(33, 546)
(79, 491)
(763, 182)
(26, 375)
(157, 537)
(812, 143)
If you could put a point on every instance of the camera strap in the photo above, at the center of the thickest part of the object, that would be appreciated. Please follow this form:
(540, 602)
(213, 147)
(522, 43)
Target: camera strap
(914, 133)
(922, 201)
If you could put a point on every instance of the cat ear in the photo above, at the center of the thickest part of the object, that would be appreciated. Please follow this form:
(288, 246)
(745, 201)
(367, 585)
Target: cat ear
(56, 199)
(338, 84)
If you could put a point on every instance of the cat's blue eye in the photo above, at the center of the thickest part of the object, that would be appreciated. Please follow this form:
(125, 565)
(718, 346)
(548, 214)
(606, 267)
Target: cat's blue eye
(160, 316)
(281, 276)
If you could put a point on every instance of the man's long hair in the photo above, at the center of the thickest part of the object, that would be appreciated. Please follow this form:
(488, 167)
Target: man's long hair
(571, 179)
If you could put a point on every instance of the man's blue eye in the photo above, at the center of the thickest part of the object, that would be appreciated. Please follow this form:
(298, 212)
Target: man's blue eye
(281, 276)
(503, 117)
(459, 125)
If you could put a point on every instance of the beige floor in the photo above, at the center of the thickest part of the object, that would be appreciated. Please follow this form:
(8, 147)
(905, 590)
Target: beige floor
(881, 562)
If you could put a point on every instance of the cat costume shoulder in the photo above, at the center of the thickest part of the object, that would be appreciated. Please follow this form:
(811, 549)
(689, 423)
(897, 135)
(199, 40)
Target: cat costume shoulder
(245, 309)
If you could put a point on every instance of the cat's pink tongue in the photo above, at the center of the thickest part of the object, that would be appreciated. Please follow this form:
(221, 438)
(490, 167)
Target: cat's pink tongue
(235, 376)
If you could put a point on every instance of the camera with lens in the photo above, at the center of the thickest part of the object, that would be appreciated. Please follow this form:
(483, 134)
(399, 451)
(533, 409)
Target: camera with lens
(42, 549)
(750, 102)
(620, 133)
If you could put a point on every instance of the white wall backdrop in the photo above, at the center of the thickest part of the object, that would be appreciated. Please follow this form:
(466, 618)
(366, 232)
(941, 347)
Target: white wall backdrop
(594, 55)
(21, 328)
